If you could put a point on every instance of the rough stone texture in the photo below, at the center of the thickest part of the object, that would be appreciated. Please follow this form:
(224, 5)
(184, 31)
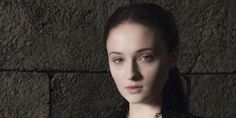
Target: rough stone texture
(24, 95)
(207, 30)
(61, 40)
(53, 35)
(83, 95)
(67, 35)
(213, 96)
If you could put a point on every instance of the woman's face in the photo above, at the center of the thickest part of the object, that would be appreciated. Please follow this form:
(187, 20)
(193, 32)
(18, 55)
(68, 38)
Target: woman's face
(138, 61)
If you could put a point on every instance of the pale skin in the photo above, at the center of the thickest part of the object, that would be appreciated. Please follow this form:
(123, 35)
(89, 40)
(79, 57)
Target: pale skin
(138, 56)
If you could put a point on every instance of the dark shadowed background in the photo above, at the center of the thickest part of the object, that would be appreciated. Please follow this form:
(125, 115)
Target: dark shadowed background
(53, 63)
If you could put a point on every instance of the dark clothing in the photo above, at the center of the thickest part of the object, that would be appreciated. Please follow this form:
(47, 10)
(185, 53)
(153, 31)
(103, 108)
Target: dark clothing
(168, 114)
(122, 114)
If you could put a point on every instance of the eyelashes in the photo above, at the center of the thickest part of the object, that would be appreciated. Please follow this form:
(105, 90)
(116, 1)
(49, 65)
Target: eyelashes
(143, 58)
(147, 58)
(118, 60)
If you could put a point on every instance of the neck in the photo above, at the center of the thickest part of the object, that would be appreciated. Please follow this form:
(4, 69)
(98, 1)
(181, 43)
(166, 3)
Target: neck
(145, 110)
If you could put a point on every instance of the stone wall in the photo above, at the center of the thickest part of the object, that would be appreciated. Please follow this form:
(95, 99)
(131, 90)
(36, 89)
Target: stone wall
(53, 63)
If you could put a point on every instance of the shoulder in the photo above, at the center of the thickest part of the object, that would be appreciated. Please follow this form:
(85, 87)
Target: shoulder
(190, 115)
(170, 114)
(120, 112)
(181, 114)
(116, 114)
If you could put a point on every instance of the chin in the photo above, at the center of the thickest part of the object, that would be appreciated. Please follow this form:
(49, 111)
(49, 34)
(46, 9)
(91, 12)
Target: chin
(135, 98)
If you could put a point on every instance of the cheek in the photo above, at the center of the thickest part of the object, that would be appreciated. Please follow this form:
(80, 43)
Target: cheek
(150, 72)
(155, 74)
(117, 75)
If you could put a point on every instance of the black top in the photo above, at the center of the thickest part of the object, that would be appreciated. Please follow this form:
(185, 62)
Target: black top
(168, 114)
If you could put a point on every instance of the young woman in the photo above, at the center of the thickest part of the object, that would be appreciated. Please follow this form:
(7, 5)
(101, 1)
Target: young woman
(142, 48)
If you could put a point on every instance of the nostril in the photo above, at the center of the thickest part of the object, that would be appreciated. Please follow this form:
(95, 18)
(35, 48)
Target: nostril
(134, 76)
(131, 77)
(130, 74)
(132, 71)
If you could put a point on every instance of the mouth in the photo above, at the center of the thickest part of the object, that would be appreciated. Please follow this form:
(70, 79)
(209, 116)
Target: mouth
(134, 89)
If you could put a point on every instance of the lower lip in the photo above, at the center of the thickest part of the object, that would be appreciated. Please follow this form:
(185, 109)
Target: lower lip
(134, 90)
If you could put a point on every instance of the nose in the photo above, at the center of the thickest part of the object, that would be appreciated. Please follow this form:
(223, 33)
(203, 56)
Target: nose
(132, 72)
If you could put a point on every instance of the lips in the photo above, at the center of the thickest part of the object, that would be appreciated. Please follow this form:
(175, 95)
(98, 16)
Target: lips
(134, 89)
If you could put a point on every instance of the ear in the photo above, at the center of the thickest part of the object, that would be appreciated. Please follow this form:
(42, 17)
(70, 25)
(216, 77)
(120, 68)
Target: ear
(173, 58)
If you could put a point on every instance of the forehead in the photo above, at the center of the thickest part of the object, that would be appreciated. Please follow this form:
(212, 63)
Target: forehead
(129, 37)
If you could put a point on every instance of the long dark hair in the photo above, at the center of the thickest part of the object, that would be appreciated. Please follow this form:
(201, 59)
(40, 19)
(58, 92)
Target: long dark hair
(162, 21)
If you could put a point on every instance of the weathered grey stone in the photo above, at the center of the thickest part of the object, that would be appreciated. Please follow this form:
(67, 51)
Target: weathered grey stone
(213, 96)
(24, 95)
(54, 35)
(207, 32)
(67, 35)
(83, 95)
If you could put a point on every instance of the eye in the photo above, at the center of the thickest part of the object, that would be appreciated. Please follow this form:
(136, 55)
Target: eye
(118, 60)
(147, 58)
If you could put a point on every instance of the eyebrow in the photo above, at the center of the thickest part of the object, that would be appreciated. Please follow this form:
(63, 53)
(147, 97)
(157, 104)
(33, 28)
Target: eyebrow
(138, 51)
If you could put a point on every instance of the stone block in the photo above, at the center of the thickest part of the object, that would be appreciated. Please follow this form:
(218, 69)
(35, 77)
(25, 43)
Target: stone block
(24, 95)
(82, 95)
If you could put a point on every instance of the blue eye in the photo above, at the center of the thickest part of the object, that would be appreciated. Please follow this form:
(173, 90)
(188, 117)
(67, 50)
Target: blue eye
(118, 60)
